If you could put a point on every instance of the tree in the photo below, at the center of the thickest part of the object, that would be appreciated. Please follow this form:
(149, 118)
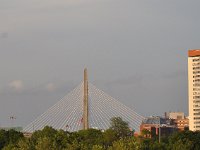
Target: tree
(3, 138)
(157, 146)
(40, 134)
(10, 137)
(90, 137)
(44, 143)
(61, 140)
(146, 133)
(128, 143)
(14, 136)
(109, 136)
(120, 127)
(185, 140)
(97, 147)
(9, 147)
(24, 144)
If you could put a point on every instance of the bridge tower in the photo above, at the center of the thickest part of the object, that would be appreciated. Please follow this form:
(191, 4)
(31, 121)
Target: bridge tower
(85, 101)
(84, 107)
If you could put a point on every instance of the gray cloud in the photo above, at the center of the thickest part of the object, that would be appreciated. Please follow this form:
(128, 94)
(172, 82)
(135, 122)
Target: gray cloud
(132, 80)
(50, 87)
(3, 35)
(137, 50)
(176, 74)
(16, 85)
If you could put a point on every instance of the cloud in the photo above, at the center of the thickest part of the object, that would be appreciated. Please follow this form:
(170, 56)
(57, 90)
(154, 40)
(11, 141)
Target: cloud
(17, 85)
(3, 35)
(132, 80)
(50, 87)
(175, 74)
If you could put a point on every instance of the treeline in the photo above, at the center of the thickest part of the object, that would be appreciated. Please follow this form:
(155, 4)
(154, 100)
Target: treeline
(117, 137)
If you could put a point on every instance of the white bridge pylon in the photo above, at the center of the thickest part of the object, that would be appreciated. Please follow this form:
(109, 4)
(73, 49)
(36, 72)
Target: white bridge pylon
(67, 114)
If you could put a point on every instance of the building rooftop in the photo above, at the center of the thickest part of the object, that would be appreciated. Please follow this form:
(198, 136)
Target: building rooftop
(194, 53)
(156, 120)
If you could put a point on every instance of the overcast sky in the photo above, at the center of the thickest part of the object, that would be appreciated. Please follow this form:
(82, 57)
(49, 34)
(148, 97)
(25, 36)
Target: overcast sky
(135, 50)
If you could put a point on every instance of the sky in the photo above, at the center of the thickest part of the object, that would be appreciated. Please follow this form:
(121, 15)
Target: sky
(134, 50)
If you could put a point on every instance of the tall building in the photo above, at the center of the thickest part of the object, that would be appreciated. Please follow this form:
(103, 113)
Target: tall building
(194, 89)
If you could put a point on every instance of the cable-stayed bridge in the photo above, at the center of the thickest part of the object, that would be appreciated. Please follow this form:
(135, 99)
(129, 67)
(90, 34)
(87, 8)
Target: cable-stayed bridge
(85, 107)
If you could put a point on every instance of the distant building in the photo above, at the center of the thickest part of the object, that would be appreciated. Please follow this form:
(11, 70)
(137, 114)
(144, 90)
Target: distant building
(182, 124)
(179, 119)
(175, 115)
(152, 124)
(194, 89)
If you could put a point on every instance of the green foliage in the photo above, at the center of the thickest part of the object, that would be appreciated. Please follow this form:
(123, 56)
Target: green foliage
(44, 143)
(50, 138)
(146, 133)
(185, 140)
(9, 138)
(125, 144)
(61, 139)
(14, 136)
(9, 147)
(46, 132)
(92, 139)
(97, 147)
(157, 146)
(145, 144)
(74, 145)
(24, 144)
(120, 127)
(109, 136)
(3, 138)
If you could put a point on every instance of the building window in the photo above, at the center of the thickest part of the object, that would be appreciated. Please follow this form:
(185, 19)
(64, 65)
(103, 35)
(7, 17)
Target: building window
(196, 109)
(196, 97)
(194, 68)
(195, 72)
(196, 89)
(197, 122)
(196, 118)
(197, 59)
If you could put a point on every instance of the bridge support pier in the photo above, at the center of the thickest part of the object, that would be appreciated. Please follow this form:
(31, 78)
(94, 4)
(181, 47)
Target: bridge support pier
(85, 101)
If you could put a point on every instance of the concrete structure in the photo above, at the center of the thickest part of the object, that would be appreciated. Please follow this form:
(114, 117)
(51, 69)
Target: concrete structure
(194, 89)
(76, 112)
(175, 115)
(85, 101)
(178, 119)
(181, 124)
(153, 124)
